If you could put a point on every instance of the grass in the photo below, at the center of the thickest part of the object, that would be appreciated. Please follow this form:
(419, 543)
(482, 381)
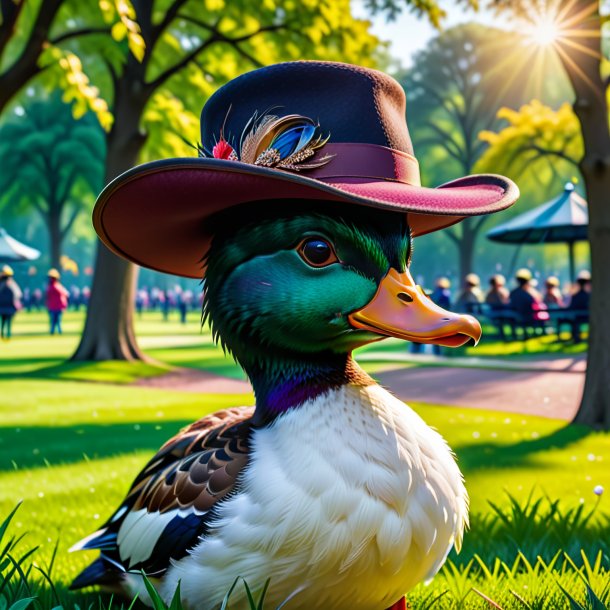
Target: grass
(507, 581)
(546, 346)
(70, 445)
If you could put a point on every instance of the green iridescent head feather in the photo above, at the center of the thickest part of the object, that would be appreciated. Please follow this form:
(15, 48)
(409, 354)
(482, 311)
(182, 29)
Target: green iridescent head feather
(262, 298)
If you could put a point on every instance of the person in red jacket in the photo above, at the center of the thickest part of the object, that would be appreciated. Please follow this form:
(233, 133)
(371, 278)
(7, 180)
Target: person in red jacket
(57, 300)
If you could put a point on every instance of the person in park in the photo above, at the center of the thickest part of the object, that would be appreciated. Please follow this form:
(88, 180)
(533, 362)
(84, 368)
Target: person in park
(498, 300)
(498, 296)
(552, 296)
(300, 213)
(57, 300)
(10, 301)
(527, 302)
(471, 296)
(580, 303)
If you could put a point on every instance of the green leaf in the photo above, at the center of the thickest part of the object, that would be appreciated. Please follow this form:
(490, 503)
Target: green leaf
(7, 521)
(157, 601)
(225, 600)
(176, 603)
(22, 604)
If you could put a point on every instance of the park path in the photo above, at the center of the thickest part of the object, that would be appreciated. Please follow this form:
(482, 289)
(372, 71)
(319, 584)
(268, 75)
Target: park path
(548, 394)
(548, 388)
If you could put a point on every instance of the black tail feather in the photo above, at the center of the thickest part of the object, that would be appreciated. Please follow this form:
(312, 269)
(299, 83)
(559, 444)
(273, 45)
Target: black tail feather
(100, 572)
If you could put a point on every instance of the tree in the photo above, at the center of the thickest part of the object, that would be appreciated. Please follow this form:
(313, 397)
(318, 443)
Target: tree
(534, 135)
(52, 163)
(578, 45)
(454, 91)
(23, 64)
(32, 36)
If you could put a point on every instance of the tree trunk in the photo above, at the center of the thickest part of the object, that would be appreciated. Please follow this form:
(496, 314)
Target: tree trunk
(592, 111)
(109, 332)
(595, 405)
(55, 237)
(465, 247)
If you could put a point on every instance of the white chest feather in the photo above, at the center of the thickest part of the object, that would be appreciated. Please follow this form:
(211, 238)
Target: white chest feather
(347, 503)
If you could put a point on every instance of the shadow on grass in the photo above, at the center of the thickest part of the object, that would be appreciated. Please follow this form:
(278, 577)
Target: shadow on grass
(35, 446)
(208, 358)
(203, 357)
(55, 369)
(40, 446)
(479, 456)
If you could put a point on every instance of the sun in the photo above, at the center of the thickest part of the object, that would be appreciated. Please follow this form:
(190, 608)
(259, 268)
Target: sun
(543, 24)
(544, 33)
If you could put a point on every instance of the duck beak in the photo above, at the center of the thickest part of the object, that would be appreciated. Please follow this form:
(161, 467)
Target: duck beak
(401, 309)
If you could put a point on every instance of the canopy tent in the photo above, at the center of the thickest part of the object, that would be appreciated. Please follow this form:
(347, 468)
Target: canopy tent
(13, 251)
(564, 219)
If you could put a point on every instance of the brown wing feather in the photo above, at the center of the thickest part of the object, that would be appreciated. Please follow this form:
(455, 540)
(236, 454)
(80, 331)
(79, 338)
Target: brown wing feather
(198, 466)
(192, 471)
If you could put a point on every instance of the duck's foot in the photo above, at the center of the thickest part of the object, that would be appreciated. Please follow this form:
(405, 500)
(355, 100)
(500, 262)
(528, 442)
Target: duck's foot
(401, 604)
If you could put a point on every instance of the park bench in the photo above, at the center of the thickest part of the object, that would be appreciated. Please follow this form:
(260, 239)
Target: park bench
(503, 318)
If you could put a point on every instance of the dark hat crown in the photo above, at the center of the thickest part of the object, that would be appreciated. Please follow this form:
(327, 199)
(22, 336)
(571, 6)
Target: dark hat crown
(352, 104)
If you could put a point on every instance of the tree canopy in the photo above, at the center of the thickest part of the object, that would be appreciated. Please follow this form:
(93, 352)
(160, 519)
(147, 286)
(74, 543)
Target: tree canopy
(534, 136)
(454, 90)
(52, 164)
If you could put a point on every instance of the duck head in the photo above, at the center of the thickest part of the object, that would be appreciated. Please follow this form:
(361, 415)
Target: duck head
(300, 284)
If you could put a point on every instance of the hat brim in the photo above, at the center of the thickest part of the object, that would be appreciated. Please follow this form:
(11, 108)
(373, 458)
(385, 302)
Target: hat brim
(154, 214)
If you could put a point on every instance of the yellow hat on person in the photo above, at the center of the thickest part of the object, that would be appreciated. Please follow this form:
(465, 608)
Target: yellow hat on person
(6, 271)
(552, 281)
(472, 279)
(443, 282)
(498, 279)
(54, 274)
(524, 274)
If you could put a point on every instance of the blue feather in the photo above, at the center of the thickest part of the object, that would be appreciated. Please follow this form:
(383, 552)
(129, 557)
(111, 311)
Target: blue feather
(292, 140)
(306, 136)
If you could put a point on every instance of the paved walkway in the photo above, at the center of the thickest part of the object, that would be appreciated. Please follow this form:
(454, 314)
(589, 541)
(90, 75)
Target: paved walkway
(549, 388)
(194, 380)
(549, 394)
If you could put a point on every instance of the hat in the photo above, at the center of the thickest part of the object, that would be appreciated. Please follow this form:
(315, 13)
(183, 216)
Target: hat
(498, 279)
(583, 276)
(472, 279)
(6, 271)
(443, 282)
(53, 273)
(300, 130)
(524, 274)
(552, 280)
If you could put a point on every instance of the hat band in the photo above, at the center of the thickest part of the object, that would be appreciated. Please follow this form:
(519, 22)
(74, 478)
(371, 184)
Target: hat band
(367, 161)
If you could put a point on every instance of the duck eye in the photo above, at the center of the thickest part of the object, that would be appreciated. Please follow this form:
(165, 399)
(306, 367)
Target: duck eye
(317, 252)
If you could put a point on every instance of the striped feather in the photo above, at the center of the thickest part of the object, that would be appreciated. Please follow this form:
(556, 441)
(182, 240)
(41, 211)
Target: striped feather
(251, 141)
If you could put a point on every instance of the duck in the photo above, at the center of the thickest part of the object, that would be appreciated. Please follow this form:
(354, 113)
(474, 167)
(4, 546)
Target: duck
(329, 486)
(300, 213)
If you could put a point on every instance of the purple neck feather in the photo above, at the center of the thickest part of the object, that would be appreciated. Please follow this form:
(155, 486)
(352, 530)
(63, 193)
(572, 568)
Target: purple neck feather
(283, 385)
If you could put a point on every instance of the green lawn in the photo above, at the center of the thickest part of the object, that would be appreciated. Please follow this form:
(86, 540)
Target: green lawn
(70, 445)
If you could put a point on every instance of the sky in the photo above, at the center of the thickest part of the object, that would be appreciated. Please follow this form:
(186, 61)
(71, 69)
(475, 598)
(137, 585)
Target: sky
(409, 33)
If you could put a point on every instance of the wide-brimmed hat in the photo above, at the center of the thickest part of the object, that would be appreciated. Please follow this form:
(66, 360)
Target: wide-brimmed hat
(6, 271)
(523, 274)
(300, 130)
(53, 274)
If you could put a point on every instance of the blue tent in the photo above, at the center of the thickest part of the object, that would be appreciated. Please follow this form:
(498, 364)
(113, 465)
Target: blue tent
(13, 251)
(564, 219)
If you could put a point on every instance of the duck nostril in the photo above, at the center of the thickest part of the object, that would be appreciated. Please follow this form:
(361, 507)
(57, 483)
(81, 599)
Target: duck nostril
(404, 297)
(446, 319)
